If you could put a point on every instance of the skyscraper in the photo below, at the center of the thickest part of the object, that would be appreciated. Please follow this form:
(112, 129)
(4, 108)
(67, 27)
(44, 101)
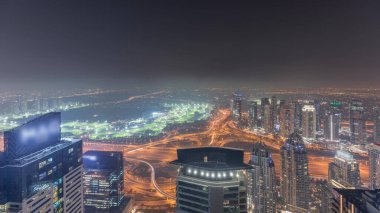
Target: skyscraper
(376, 124)
(332, 124)
(294, 177)
(261, 190)
(211, 179)
(237, 106)
(252, 114)
(357, 123)
(264, 103)
(273, 113)
(103, 181)
(286, 119)
(374, 166)
(41, 172)
(344, 169)
(297, 115)
(308, 121)
(318, 114)
(266, 119)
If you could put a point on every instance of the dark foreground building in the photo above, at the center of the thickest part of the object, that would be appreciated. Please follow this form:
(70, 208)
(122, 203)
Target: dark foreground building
(211, 179)
(355, 201)
(39, 172)
(103, 181)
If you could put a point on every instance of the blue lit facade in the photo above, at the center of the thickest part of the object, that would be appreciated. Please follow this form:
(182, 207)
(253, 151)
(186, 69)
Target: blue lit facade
(103, 181)
(47, 180)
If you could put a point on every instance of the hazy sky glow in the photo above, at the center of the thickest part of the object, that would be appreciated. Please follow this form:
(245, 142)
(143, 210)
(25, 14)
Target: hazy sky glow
(320, 42)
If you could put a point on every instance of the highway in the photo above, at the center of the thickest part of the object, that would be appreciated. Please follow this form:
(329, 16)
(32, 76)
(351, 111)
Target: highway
(153, 178)
(221, 132)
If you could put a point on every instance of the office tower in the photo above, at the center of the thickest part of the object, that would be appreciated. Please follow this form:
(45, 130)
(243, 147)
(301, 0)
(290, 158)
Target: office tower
(376, 124)
(261, 189)
(308, 121)
(237, 105)
(264, 102)
(344, 169)
(103, 181)
(332, 125)
(252, 114)
(266, 119)
(294, 177)
(286, 119)
(273, 113)
(297, 115)
(39, 171)
(211, 179)
(355, 201)
(374, 166)
(357, 123)
(318, 116)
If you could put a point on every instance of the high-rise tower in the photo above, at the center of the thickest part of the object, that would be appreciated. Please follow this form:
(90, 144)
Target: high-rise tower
(308, 122)
(252, 114)
(294, 177)
(344, 169)
(237, 106)
(261, 189)
(357, 123)
(41, 172)
(286, 119)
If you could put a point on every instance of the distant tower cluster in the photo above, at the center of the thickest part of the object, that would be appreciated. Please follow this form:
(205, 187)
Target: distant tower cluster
(261, 187)
(309, 122)
(357, 123)
(294, 177)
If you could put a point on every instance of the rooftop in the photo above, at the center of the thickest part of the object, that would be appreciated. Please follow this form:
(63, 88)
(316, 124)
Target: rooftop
(212, 158)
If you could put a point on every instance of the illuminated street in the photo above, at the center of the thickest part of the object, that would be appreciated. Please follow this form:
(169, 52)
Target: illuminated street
(221, 132)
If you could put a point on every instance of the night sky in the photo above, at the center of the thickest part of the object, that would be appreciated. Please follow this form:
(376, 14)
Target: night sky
(261, 43)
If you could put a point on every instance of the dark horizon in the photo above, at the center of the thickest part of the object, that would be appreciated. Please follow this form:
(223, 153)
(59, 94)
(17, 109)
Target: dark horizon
(270, 44)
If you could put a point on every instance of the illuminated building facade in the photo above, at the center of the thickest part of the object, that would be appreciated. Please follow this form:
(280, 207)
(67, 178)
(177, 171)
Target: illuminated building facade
(45, 175)
(261, 186)
(264, 112)
(297, 115)
(332, 125)
(318, 114)
(252, 114)
(374, 166)
(211, 179)
(286, 119)
(376, 124)
(237, 106)
(273, 113)
(103, 181)
(309, 121)
(294, 178)
(266, 121)
(344, 169)
(357, 123)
